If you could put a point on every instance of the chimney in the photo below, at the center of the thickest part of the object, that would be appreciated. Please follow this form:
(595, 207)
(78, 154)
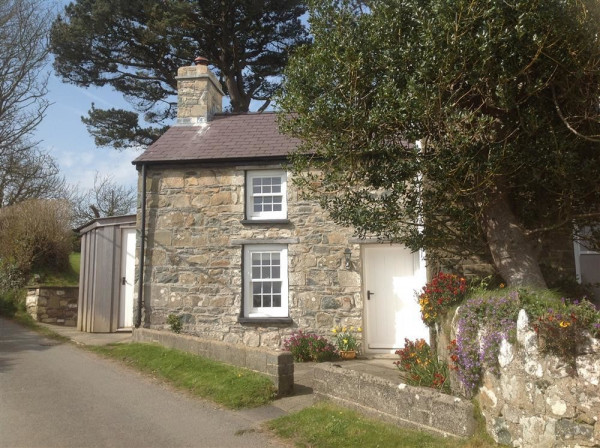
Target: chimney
(199, 95)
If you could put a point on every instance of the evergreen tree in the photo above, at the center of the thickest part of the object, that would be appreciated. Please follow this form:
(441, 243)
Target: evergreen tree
(501, 98)
(136, 47)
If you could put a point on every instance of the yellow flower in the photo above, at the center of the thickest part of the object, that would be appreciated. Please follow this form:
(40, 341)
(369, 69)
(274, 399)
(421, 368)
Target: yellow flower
(334, 331)
(344, 329)
(502, 285)
(564, 324)
(345, 341)
(359, 329)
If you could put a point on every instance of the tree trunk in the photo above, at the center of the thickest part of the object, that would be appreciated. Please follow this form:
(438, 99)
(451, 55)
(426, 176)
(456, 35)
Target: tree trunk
(511, 251)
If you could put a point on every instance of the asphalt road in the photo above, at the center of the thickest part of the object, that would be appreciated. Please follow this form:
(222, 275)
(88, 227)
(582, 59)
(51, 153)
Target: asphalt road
(61, 396)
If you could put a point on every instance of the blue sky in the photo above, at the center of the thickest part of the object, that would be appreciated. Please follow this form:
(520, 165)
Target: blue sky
(66, 138)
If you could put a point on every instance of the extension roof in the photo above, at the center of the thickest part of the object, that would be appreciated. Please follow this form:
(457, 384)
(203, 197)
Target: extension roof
(227, 137)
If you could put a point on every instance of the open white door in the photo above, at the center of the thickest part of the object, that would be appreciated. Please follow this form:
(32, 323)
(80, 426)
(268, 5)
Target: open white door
(392, 275)
(127, 278)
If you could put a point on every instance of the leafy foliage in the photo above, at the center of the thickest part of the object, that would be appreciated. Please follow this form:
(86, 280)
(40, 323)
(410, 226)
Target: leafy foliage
(441, 293)
(36, 233)
(309, 347)
(421, 366)
(564, 328)
(346, 338)
(175, 323)
(136, 47)
(500, 96)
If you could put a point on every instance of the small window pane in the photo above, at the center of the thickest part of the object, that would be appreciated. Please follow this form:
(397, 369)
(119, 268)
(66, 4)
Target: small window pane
(275, 272)
(276, 300)
(256, 300)
(255, 259)
(277, 287)
(266, 288)
(267, 301)
(275, 258)
(266, 272)
(255, 272)
(256, 288)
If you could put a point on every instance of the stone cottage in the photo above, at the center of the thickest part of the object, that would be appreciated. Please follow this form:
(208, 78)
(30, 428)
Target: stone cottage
(231, 247)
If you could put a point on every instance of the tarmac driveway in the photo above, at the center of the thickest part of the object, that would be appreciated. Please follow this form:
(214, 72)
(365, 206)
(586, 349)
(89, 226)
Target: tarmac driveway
(61, 396)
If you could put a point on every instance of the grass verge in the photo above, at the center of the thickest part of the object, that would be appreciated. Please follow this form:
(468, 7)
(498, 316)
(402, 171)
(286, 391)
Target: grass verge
(230, 386)
(328, 426)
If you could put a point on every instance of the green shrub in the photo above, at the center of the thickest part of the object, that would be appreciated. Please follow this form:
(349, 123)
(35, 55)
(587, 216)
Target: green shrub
(309, 347)
(174, 322)
(11, 301)
(422, 368)
(36, 233)
(564, 327)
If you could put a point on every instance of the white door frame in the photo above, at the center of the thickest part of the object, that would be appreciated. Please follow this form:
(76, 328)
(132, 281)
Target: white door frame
(126, 278)
(420, 278)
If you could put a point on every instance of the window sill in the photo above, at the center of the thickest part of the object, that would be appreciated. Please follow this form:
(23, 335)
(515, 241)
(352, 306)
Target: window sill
(265, 320)
(265, 221)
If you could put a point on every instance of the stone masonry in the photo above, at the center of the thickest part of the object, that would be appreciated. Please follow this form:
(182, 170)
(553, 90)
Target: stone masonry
(194, 250)
(53, 305)
(536, 402)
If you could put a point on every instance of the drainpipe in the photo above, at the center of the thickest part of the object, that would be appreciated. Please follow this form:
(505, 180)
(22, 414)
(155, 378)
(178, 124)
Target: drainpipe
(138, 320)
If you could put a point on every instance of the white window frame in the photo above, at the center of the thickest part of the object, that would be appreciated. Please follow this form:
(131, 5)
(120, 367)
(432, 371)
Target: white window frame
(250, 310)
(250, 195)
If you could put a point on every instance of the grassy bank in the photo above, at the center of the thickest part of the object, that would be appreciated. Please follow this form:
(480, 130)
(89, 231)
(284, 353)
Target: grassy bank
(328, 426)
(230, 386)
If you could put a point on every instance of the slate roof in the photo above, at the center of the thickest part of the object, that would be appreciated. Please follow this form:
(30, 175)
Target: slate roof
(226, 137)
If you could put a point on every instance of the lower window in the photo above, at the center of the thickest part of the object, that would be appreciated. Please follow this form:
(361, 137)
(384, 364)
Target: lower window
(265, 280)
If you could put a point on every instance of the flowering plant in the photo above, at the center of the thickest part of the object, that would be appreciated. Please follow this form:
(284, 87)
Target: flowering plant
(482, 324)
(437, 296)
(345, 338)
(563, 328)
(309, 347)
(422, 368)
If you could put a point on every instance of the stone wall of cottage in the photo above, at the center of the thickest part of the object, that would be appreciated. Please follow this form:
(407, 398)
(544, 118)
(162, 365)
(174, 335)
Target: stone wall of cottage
(194, 259)
(537, 400)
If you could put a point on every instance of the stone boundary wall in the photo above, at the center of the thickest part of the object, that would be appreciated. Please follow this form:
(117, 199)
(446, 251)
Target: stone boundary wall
(53, 304)
(537, 400)
(407, 406)
(278, 366)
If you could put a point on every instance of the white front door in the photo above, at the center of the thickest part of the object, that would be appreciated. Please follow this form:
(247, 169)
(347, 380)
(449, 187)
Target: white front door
(127, 278)
(392, 276)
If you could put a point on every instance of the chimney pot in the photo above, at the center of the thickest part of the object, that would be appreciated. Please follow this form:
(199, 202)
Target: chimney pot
(201, 61)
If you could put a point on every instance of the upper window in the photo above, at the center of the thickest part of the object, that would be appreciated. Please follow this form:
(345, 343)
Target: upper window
(266, 195)
(265, 281)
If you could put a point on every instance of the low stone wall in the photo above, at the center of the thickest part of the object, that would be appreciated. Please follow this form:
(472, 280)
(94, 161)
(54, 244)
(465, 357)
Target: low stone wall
(53, 304)
(536, 401)
(277, 365)
(400, 404)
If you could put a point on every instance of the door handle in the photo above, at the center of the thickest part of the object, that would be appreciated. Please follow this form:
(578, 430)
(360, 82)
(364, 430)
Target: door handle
(123, 281)
(369, 294)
